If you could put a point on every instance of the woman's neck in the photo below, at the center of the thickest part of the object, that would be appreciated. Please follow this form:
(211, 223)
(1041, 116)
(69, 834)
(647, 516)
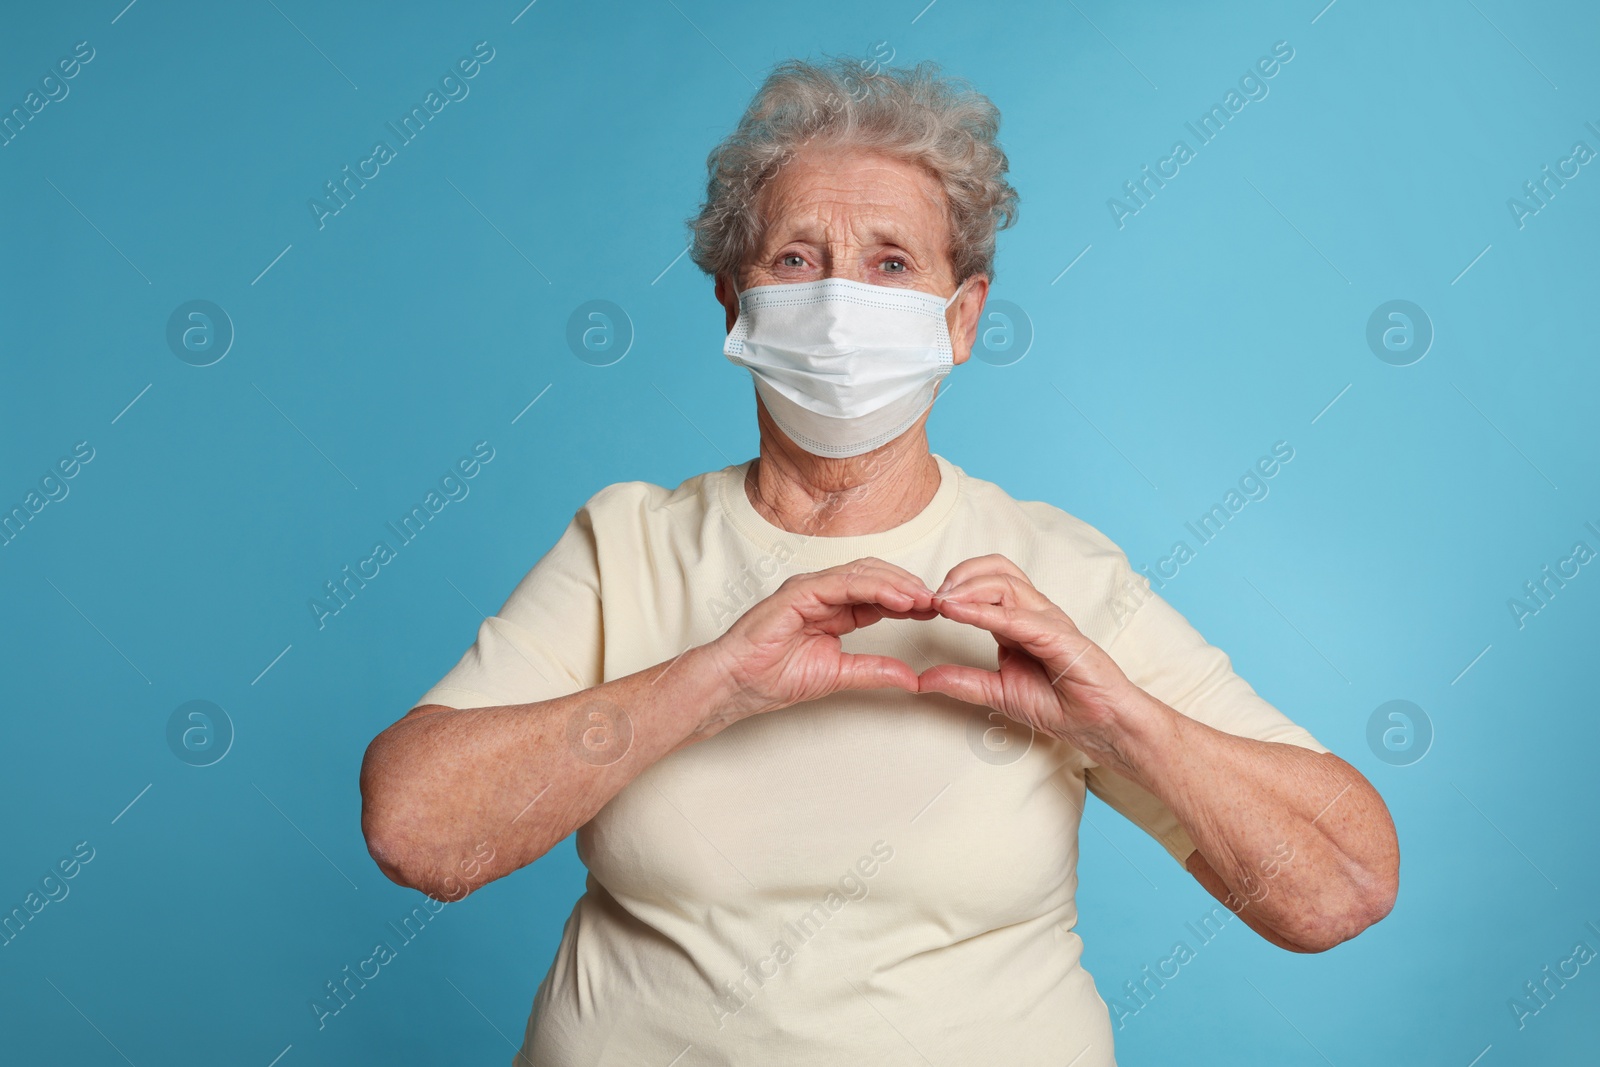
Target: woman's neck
(822, 496)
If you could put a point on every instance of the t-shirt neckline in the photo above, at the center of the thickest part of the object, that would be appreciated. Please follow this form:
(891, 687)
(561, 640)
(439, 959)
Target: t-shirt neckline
(827, 549)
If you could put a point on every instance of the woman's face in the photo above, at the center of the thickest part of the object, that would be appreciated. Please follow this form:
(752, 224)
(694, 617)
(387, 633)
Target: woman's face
(861, 215)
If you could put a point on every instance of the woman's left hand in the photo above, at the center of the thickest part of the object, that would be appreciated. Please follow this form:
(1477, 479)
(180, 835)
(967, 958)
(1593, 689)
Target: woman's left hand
(1051, 676)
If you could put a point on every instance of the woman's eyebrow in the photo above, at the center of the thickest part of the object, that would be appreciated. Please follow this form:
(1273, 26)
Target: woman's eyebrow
(905, 237)
(808, 232)
(902, 238)
(794, 231)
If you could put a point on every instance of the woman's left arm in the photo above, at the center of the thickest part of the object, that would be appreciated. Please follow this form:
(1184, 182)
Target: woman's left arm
(1297, 842)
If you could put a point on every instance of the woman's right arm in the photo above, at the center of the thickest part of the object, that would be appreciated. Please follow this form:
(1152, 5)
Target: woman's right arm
(455, 798)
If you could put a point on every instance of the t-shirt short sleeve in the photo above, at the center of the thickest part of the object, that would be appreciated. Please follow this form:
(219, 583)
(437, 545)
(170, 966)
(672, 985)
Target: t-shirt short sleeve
(545, 641)
(1164, 655)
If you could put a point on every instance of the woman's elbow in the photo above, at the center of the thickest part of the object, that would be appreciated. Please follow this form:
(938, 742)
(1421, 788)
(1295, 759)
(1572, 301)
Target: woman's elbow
(1378, 883)
(1364, 889)
(404, 857)
(1381, 893)
(389, 858)
(392, 836)
(1372, 897)
(420, 845)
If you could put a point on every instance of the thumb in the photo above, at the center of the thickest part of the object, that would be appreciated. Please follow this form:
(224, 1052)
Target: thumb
(971, 684)
(861, 671)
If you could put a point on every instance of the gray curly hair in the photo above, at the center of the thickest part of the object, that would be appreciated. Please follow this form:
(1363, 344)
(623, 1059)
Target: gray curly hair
(916, 114)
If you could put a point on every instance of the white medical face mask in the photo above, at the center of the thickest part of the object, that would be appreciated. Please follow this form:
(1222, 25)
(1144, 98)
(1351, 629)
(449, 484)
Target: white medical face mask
(843, 367)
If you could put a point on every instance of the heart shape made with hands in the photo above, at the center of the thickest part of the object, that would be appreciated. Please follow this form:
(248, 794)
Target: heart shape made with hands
(1050, 676)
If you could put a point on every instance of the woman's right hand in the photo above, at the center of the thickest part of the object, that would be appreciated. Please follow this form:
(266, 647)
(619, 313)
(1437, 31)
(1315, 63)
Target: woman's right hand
(785, 649)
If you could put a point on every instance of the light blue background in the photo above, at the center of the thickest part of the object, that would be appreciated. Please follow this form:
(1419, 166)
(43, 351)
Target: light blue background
(1226, 315)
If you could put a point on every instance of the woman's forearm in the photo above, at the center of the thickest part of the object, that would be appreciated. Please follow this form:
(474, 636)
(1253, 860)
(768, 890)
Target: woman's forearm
(1302, 842)
(454, 798)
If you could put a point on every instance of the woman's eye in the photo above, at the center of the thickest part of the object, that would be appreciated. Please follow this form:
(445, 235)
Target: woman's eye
(794, 260)
(894, 266)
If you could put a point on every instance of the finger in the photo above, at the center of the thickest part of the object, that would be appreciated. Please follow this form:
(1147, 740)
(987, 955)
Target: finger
(1055, 649)
(866, 614)
(899, 577)
(854, 617)
(861, 671)
(1030, 631)
(993, 563)
(971, 684)
(998, 588)
(921, 614)
(840, 620)
(904, 597)
(832, 589)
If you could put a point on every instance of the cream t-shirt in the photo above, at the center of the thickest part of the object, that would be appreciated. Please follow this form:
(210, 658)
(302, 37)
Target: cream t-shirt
(875, 877)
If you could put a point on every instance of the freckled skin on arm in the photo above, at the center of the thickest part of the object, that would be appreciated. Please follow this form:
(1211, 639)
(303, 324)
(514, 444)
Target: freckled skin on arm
(1258, 800)
(455, 798)
(1263, 882)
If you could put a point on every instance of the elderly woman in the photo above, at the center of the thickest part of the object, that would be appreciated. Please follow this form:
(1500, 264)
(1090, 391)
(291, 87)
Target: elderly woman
(824, 720)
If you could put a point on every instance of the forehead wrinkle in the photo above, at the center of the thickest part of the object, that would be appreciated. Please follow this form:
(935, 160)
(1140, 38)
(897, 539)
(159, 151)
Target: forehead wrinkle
(854, 199)
(829, 216)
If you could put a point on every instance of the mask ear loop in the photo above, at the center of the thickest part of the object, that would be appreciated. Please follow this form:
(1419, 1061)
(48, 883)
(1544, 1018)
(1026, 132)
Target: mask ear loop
(947, 304)
(955, 294)
(738, 303)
